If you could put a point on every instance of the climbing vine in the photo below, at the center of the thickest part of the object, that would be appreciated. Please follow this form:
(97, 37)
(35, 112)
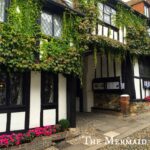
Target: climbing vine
(23, 46)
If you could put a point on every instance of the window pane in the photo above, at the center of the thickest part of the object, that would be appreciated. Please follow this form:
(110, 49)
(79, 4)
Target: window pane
(100, 7)
(113, 17)
(48, 91)
(107, 10)
(107, 18)
(15, 88)
(57, 26)
(3, 79)
(2, 10)
(115, 35)
(46, 23)
(105, 31)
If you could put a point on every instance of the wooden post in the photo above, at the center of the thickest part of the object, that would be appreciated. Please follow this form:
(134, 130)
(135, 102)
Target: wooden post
(71, 100)
(129, 79)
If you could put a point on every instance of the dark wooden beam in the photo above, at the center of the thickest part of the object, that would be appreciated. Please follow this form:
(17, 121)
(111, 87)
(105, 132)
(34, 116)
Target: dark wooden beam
(71, 99)
(129, 79)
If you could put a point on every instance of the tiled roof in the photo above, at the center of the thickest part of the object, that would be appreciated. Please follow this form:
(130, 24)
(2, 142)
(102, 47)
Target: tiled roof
(133, 2)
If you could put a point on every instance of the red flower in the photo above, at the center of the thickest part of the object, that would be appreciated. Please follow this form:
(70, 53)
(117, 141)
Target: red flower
(147, 98)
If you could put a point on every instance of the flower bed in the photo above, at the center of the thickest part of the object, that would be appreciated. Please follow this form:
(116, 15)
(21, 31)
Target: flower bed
(20, 138)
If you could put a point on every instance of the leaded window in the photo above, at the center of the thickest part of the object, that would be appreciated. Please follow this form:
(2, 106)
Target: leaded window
(11, 89)
(15, 89)
(2, 10)
(106, 13)
(49, 90)
(51, 24)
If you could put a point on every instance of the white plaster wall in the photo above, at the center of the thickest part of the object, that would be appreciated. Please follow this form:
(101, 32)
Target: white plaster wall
(88, 93)
(137, 88)
(62, 97)
(17, 121)
(35, 99)
(137, 81)
(136, 68)
(49, 117)
(147, 92)
(3, 122)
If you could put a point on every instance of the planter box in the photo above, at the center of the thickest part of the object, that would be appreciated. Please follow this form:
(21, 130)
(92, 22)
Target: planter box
(39, 143)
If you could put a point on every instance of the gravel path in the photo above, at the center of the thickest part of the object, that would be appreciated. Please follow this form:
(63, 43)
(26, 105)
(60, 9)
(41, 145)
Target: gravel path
(143, 134)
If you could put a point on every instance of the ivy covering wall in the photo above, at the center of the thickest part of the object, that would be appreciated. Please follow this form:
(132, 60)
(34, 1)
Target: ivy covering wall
(23, 46)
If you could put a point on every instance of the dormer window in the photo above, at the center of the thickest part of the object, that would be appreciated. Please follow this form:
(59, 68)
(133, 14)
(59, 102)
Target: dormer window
(51, 24)
(2, 10)
(106, 13)
(147, 11)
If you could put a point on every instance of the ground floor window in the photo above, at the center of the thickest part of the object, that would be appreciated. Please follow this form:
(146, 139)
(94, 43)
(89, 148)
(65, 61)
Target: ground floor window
(49, 88)
(144, 63)
(11, 88)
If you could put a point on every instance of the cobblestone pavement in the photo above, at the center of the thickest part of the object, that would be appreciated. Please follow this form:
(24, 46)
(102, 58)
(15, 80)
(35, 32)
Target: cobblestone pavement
(95, 127)
(135, 143)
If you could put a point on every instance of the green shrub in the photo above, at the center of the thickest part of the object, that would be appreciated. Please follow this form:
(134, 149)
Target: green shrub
(64, 123)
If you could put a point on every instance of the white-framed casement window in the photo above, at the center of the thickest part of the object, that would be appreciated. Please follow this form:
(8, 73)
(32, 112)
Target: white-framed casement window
(2, 10)
(147, 11)
(106, 13)
(51, 24)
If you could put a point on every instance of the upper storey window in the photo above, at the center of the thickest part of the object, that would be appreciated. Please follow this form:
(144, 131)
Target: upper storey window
(147, 11)
(2, 10)
(51, 24)
(106, 13)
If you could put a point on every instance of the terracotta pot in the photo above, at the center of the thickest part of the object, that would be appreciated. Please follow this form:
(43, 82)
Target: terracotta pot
(124, 104)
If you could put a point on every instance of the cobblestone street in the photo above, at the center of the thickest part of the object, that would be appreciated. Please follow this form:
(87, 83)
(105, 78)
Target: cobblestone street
(97, 126)
(142, 134)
